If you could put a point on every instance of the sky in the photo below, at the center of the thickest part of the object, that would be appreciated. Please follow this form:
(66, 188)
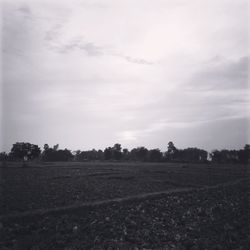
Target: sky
(91, 73)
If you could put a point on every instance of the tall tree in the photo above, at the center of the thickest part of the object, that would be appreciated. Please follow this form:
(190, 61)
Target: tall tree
(117, 152)
(125, 154)
(171, 152)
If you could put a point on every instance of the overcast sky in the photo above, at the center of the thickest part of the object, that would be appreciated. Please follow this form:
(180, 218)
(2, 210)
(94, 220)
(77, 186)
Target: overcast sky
(89, 73)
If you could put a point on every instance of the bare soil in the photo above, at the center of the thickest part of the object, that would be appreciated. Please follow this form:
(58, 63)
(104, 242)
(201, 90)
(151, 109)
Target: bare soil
(136, 206)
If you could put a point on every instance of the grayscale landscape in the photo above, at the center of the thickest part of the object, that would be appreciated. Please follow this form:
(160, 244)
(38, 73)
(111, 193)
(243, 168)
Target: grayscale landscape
(124, 124)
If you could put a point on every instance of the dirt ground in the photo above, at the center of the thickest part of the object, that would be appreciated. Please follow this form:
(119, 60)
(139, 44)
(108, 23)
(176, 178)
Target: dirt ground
(135, 206)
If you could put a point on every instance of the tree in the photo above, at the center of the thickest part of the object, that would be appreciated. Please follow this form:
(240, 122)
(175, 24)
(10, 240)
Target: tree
(155, 155)
(50, 154)
(171, 152)
(125, 154)
(231, 156)
(81, 155)
(192, 155)
(76, 154)
(55, 147)
(3, 156)
(90, 155)
(171, 148)
(114, 153)
(20, 150)
(63, 155)
(100, 155)
(247, 150)
(108, 153)
(216, 156)
(117, 152)
(139, 154)
(243, 156)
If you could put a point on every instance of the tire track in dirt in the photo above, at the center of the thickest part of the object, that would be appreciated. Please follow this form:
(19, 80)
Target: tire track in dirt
(77, 207)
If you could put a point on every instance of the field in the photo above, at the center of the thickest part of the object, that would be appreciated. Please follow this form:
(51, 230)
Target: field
(123, 206)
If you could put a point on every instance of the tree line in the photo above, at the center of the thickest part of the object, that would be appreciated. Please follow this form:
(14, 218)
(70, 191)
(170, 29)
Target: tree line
(27, 151)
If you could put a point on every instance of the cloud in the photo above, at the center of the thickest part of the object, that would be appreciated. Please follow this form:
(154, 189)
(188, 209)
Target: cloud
(221, 133)
(138, 60)
(134, 60)
(53, 40)
(222, 74)
(25, 10)
(90, 48)
(154, 127)
(93, 5)
(132, 71)
(53, 33)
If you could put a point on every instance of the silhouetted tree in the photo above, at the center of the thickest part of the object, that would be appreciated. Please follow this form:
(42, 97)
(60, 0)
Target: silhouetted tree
(243, 156)
(155, 155)
(139, 154)
(3, 156)
(100, 155)
(108, 153)
(215, 156)
(53, 154)
(125, 154)
(171, 152)
(247, 149)
(82, 155)
(55, 147)
(63, 155)
(20, 150)
(90, 155)
(76, 154)
(114, 153)
(231, 156)
(171, 148)
(191, 155)
(117, 152)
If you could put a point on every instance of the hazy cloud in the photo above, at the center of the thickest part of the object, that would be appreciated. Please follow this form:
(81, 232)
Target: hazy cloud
(25, 10)
(90, 48)
(53, 33)
(136, 60)
(139, 72)
(225, 74)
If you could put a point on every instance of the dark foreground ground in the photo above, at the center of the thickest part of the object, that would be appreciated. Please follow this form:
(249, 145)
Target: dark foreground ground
(56, 206)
